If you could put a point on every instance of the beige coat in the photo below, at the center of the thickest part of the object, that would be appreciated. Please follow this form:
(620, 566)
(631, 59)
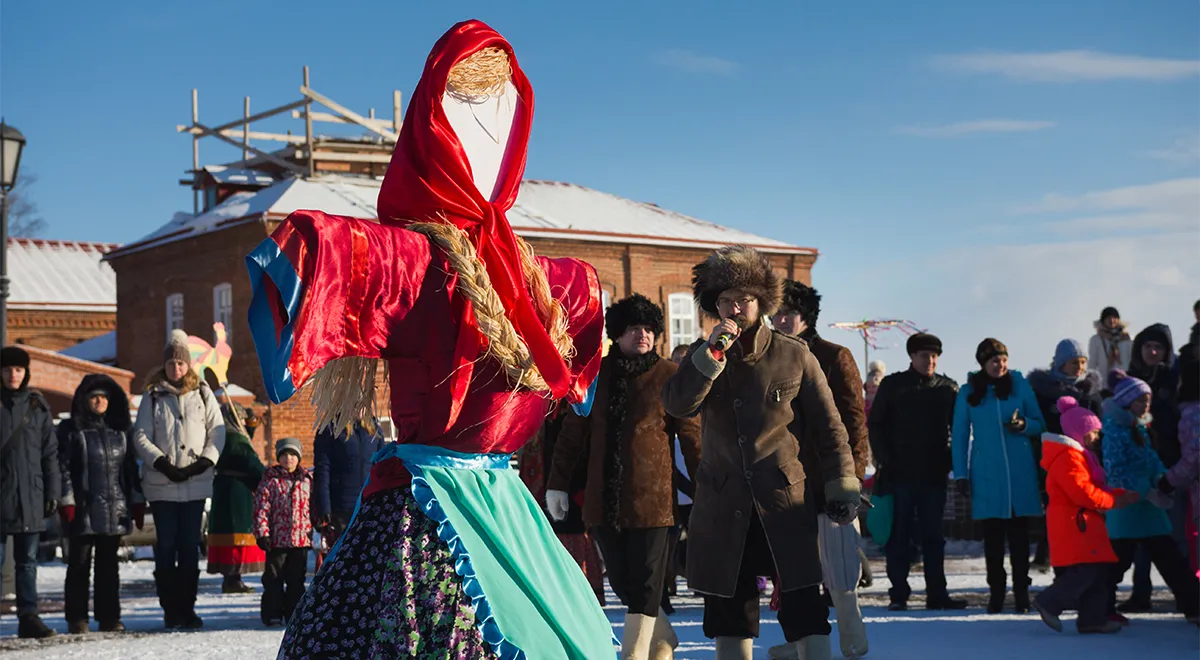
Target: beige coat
(183, 425)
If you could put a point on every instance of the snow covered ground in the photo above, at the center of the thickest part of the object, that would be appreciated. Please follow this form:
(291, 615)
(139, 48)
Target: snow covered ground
(232, 628)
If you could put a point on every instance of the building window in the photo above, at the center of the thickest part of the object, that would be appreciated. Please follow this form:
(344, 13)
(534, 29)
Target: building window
(223, 309)
(684, 328)
(605, 301)
(174, 313)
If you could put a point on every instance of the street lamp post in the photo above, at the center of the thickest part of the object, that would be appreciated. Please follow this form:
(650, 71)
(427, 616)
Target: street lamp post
(11, 144)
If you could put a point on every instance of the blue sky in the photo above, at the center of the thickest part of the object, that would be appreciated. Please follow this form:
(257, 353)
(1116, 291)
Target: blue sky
(1001, 169)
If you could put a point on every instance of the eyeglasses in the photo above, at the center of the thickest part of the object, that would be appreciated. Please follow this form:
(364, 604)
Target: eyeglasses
(742, 303)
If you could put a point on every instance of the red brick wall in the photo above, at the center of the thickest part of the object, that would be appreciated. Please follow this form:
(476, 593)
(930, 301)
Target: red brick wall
(56, 330)
(194, 266)
(57, 376)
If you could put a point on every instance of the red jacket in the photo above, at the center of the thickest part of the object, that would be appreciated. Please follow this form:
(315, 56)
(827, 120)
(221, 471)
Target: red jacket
(1076, 500)
(281, 508)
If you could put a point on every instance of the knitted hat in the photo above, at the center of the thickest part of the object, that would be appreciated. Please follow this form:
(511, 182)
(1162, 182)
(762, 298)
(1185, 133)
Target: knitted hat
(1067, 350)
(177, 348)
(988, 349)
(288, 444)
(875, 372)
(924, 342)
(1125, 388)
(1076, 420)
(634, 310)
(11, 356)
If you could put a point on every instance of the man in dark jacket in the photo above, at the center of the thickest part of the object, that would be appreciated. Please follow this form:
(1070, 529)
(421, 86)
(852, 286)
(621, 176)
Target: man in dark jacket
(910, 440)
(29, 480)
(762, 396)
(626, 442)
(341, 464)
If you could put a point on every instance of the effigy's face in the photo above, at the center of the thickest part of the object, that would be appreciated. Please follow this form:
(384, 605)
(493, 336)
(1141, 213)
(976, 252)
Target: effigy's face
(481, 103)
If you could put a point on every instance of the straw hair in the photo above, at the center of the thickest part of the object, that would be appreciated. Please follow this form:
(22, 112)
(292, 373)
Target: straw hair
(486, 72)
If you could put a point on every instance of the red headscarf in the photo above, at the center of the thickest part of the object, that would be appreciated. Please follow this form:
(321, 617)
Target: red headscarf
(430, 180)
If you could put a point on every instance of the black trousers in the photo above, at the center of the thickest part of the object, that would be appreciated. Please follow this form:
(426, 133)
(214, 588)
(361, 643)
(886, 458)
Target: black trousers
(1014, 531)
(283, 582)
(1171, 565)
(802, 612)
(636, 563)
(1079, 587)
(80, 552)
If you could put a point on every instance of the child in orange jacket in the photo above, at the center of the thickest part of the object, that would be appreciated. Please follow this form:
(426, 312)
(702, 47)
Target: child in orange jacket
(1079, 547)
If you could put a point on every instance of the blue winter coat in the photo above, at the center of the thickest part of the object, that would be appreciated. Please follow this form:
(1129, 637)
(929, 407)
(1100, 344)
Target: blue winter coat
(341, 464)
(1004, 477)
(1132, 467)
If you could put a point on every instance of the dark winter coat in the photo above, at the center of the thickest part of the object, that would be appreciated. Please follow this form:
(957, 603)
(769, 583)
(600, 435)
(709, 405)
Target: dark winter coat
(341, 464)
(910, 429)
(231, 522)
(98, 462)
(1048, 389)
(1164, 383)
(646, 496)
(29, 474)
(758, 402)
(841, 372)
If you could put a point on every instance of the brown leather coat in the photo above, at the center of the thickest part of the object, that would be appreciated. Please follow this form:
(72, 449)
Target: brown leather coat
(841, 372)
(647, 453)
(757, 407)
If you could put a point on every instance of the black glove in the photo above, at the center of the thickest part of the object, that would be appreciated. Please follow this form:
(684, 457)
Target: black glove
(264, 542)
(51, 508)
(198, 467)
(1163, 485)
(170, 471)
(963, 486)
(1017, 423)
(841, 513)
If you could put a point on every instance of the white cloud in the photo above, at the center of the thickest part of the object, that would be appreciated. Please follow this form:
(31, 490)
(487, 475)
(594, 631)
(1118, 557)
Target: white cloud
(1069, 66)
(694, 63)
(1183, 151)
(977, 126)
(1172, 205)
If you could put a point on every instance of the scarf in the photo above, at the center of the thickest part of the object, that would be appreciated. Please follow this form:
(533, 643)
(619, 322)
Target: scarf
(623, 371)
(980, 382)
(1112, 338)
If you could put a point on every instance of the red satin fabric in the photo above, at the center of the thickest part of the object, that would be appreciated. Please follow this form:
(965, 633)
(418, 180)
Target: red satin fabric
(430, 179)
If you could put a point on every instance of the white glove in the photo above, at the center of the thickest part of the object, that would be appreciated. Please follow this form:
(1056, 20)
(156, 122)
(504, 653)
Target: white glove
(557, 505)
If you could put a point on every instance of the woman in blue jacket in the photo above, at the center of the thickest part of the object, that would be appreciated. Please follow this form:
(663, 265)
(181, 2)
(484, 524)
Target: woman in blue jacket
(1131, 463)
(996, 421)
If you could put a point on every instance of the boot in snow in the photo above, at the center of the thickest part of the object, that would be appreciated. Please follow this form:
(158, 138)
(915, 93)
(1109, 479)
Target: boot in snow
(664, 640)
(814, 647)
(996, 601)
(233, 584)
(77, 627)
(735, 648)
(188, 582)
(638, 636)
(168, 598)
(30, 626)
(1021, 596)
(852, 633)
(112, 626)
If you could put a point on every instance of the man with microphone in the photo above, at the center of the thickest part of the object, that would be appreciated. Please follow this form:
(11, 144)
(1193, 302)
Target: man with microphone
(762, 394)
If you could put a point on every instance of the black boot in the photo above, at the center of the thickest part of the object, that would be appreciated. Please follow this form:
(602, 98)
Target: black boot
(30, 626)
(996, 600)
(1021, 595)
(165, 585)
(188, 582)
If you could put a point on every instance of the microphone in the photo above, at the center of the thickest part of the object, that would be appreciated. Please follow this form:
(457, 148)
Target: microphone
(725, 339)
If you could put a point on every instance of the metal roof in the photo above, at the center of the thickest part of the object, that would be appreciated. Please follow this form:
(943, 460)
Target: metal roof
(61, 275)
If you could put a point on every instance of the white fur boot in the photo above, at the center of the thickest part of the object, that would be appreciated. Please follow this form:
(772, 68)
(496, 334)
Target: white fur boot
(852, 633)
(662, 646)
(735, 648)
(638, 636)
(814, 647)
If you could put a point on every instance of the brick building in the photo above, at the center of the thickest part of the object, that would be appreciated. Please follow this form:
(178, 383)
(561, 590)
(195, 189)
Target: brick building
(56, 376)
(191, 272)
(62, 292)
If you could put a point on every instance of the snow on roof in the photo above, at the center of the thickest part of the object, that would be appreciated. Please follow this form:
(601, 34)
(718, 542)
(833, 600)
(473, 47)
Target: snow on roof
(238, 176)
(101, 349)
(544, 209)
(61, 275)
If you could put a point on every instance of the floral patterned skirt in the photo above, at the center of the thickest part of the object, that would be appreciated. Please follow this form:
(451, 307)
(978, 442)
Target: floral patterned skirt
(389, 592)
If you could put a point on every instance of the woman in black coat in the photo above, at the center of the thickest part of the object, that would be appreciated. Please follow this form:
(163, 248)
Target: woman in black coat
(102, 498)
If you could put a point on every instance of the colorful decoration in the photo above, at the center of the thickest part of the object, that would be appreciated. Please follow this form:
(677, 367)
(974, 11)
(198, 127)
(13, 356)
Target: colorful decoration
(868, 329)
(214, 358)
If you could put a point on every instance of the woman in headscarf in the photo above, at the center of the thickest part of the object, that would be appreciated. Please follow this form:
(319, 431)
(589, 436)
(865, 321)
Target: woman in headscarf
(232, 551)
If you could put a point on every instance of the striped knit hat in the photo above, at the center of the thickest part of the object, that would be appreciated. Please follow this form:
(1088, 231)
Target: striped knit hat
(1125, 388)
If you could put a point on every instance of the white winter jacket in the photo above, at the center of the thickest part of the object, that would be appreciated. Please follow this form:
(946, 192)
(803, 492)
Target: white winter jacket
(182, 425)
(1101, 347)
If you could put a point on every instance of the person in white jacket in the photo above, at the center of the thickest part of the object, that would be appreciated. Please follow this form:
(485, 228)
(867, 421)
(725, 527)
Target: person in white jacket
(179, 434)
(1110, 348)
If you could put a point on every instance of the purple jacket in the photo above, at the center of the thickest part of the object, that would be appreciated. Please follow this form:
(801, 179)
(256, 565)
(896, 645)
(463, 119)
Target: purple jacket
(1186, 473)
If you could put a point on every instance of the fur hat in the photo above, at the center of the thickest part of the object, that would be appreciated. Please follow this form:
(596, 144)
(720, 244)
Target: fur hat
(923, 341)
(803, 299)
(1076, 420)
(177, 348)
(736, 267)
(988, 349)
(12, 356)
(634, 310)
